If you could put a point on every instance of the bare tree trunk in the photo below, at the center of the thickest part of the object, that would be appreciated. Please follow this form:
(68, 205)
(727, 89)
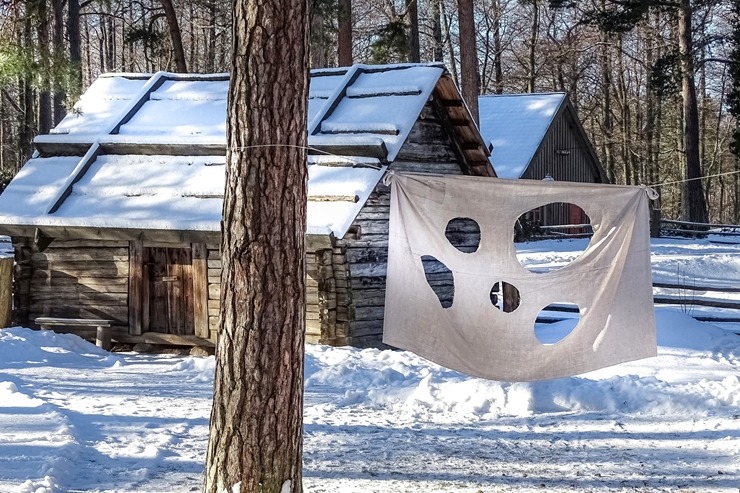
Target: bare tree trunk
(532, 60)
(468, 57)
(58, 43)
(412, 11)
(175, 35)
(450, 55)
(607, 122)
(110, 40)
(438, 54)
(211, 43)
(497, 63)
(256, 423)
(45, 117)
(75, 43)
(344, 36)
(694, 207)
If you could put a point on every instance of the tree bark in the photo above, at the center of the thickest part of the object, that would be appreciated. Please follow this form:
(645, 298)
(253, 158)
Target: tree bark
(437, 51)
(468, 57)
(59, 60)
(256, 422)
(532, 48)
(497, 51)
(45, 118)
(607, 121)
(693, 205)
(412, 12)
(175, 35)
(344, 36)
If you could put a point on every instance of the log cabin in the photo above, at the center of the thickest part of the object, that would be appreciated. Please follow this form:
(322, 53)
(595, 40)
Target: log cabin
(539, 136)
(117, 214)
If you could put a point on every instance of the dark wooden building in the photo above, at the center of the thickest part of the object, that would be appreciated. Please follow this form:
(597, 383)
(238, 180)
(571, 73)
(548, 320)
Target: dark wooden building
(539, 136)
(118, 214)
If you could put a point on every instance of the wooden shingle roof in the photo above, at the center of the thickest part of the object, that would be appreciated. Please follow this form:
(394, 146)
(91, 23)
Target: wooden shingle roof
(145, 152)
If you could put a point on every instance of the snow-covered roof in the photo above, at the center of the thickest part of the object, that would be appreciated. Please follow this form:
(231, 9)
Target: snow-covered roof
(515, 124)
(125, 123)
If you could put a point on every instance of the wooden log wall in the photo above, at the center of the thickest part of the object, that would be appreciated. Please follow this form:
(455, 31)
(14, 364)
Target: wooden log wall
(72, 279)
(327, 295)
(214, 289)
(428, 149)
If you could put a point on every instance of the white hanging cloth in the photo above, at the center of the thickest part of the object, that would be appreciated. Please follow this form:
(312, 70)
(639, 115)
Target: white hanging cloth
(610, 282)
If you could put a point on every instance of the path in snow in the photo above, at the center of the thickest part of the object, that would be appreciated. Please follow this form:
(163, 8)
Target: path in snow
(78, 420)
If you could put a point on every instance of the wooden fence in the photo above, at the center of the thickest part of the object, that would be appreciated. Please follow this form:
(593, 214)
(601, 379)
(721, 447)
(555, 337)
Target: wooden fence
(690, 230)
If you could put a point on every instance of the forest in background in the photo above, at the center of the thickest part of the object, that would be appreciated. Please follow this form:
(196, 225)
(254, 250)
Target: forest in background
(630, 68)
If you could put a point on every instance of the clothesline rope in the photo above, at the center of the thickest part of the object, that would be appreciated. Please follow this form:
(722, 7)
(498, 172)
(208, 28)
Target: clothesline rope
(694, 179)
(379, 167)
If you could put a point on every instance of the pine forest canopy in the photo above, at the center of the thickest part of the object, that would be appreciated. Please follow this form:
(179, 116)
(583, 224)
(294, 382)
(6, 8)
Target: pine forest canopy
(623, 65)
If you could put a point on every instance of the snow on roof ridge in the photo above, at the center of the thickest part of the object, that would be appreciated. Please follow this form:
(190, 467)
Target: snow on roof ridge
(359, 127)
(329, 159)
(361, 92)
(127, 75)
(524, 94)
(190, 96)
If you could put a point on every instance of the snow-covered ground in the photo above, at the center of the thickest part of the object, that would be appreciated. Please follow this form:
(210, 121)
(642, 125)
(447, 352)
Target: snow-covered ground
(74, 418)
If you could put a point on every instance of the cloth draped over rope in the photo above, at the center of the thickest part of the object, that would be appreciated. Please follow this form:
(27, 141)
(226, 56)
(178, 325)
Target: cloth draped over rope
(610, 282)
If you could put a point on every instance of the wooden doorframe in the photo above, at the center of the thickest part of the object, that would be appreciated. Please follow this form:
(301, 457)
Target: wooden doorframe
(138, 301)
(200, 289)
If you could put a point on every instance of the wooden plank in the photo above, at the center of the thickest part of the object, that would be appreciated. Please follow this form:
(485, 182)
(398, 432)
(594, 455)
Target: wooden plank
(200, 289)
(80, 244)
(369, 312)
(136, 287)
(84, 269)
(214, 291)
(73, 322)
(678, 300)
(43, 278)
(694, 287)
(131, 234)
(119, 314)
(87, 160)
(160, 338)
(6, 291)
(79, 298)
(82, 254)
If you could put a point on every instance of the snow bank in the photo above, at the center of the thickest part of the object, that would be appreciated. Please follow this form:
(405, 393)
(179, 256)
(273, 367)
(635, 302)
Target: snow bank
(21, 347)
(415, 389)
(38, 443)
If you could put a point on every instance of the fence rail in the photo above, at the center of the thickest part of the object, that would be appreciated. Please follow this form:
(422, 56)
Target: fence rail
(690, 229)
(556, 313)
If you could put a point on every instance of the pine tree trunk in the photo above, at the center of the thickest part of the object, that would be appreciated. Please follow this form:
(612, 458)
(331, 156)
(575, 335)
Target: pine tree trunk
(256, 422)
(532, 48)
(693, 205)
(58, 42)
(412, 12)
(468, 57)
(45, 118)
(437, 51)
(344, 36)
(607, 122)
(497, 49)
(211, 43)
(175, 35)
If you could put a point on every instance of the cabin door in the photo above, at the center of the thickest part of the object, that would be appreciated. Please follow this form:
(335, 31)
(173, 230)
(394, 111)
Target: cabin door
(168, 290)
